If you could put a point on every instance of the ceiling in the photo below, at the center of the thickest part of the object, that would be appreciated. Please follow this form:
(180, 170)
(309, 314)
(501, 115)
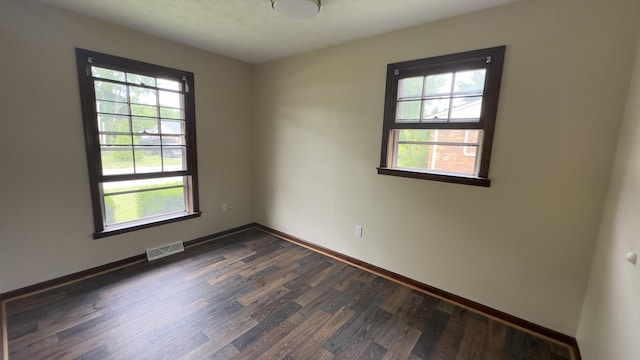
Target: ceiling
(249, 30)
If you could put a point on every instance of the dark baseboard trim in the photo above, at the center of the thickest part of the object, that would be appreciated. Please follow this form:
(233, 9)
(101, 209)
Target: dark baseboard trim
(567, 340)
(45, 285)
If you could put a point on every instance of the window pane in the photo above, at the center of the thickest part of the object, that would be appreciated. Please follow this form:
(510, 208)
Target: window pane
(472, 136)
(466, 108)
(174, 158)
(470, 82)
(147, 125)
(438, 158)
(168, 84)
(460, 136)
(107, 73)
(470, 150)
(173, 140)
(171, 99)
(134, 200)
(451, 151)
(148, 159)
(116, 160)
(120, 208)
(113, 123)
(160, 202)
(140, 95)
(111, 139)
(438, 84)
(108, 107)
(141, 79)
(456, 136)
(412, 156)
(408, 111)
(410, 87)
(146, 140)
(171, 113)
(436, 110)
(172, 126)
(144, 110)
(110, 91)
(414, 135)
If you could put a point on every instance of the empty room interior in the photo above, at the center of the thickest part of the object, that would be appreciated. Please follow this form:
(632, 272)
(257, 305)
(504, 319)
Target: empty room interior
(287, 141)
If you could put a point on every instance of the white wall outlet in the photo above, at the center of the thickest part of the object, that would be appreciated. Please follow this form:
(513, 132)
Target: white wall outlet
(358, 231)
(223, 207)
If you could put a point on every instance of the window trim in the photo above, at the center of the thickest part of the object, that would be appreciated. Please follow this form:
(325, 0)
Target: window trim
(84, 60)
(453, 62)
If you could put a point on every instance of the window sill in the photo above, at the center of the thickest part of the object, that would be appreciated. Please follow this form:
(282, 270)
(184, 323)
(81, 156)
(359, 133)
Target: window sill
(138, 226)
(456, 179)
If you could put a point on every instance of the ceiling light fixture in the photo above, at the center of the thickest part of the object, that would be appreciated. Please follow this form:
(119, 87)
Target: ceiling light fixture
(296, 9)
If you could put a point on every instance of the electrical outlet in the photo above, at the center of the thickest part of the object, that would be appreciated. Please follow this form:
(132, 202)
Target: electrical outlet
(358, 231)
(223, 207)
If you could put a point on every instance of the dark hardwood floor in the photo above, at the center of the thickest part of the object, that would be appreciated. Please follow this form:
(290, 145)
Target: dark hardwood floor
(248, 296)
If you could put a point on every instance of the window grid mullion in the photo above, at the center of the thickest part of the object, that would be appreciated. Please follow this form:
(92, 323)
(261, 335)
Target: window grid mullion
(142, 176)
(422, 97)
(159, 124)
(437, 125)
(133, 148)
(143, 190)
(151, 87)
(453, 86)
(443, 143)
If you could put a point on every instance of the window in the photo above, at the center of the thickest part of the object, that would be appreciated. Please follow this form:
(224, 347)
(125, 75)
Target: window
(139, 122)
(439, 117)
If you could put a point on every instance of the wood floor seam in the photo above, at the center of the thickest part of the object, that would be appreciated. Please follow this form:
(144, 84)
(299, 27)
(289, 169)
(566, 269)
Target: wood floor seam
(572, 347)
(269, 297)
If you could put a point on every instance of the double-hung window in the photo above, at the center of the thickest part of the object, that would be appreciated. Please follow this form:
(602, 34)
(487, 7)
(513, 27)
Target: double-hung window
(139, 122)
(440, 116)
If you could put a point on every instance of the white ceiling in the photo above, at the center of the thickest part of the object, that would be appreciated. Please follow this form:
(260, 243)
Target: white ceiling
(249, 30)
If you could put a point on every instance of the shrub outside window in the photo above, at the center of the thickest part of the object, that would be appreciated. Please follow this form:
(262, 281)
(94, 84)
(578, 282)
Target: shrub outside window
(139, 122)
(440, 116)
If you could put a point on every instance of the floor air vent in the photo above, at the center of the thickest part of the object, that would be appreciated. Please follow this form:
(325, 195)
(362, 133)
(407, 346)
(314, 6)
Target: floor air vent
(165, 250)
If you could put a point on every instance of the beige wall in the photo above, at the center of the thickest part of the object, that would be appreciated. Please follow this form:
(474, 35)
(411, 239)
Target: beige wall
(45, 205)
(523, 246)
(610, 321)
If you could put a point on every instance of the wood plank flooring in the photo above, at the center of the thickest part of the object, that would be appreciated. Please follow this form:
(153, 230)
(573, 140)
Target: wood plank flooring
(254, 296)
